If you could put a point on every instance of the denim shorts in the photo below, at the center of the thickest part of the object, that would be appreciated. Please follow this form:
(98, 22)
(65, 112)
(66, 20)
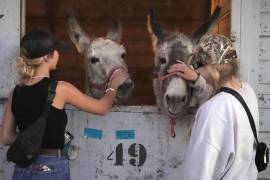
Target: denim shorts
(44, 168)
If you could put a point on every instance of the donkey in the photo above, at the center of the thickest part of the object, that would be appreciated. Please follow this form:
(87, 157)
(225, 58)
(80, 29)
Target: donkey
(172, 92)
(103, 56)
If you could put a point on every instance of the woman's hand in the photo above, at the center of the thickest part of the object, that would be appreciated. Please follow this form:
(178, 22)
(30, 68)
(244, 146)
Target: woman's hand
(118, 78)
(184, 71)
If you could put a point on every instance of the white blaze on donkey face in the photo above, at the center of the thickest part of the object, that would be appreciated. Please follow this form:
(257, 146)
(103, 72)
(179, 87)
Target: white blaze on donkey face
(172, 92)
(175, 96)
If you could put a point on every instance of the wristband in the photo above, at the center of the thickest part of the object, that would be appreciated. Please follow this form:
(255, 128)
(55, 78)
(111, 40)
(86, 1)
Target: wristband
(109, 89)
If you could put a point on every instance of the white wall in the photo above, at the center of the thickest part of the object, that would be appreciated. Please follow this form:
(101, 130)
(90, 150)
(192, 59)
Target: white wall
(9, 46)
(263, 77)
(251, 26)
(96, 160)
(9, 51)
(6, 169)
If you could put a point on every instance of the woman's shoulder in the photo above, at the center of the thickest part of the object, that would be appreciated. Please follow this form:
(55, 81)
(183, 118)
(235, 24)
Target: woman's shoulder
(64, 87)
(219, 104)
(215, 113)
(246, 89)
(225, 102)
(219, 99)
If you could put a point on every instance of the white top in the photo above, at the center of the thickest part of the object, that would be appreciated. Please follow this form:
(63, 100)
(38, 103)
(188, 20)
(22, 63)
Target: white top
(222, 145)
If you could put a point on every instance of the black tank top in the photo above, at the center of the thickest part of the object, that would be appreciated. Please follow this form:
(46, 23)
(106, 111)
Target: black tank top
(28, 103)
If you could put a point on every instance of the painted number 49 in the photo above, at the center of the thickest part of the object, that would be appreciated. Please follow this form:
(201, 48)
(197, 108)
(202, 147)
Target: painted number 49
(137, 152)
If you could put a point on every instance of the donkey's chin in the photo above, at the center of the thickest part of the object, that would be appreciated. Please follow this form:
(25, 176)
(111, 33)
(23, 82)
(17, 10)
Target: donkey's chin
(176, 111)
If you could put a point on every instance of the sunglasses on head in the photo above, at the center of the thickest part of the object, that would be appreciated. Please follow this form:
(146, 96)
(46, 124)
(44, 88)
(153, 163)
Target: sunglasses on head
(228, 53)
(200, 59)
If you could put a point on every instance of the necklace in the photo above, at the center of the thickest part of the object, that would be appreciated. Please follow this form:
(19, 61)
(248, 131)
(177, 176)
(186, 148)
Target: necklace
(41, 76)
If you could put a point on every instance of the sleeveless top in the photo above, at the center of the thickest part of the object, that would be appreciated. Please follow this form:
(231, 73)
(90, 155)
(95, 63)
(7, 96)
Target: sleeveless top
(27, 105)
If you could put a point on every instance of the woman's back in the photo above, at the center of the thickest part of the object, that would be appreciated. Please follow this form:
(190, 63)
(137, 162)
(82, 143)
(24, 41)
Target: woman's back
(27, 105)
(222, 129)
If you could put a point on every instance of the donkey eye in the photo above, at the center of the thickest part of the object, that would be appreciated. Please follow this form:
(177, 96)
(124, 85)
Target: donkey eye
(94, 60)
(123, 55)
(162, 60)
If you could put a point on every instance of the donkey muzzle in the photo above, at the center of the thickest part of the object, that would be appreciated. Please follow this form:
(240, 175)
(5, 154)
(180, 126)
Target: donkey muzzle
(125, 90)
(175, 103)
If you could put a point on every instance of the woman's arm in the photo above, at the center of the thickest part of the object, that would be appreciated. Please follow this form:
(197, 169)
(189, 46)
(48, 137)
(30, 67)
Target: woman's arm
(8, 130)
(71, 95)
(75, 97)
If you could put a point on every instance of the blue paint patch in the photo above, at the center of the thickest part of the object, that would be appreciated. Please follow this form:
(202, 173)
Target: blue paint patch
(125, 134)
(92, 133)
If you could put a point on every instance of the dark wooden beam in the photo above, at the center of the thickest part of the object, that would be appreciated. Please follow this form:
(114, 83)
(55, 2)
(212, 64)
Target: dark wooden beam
(50, 14)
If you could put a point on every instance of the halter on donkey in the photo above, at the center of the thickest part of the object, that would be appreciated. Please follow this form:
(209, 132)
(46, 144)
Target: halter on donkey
(173, 93)
(103, 57)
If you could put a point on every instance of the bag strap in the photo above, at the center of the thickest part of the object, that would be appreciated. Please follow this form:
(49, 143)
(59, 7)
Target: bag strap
(242, 101)
(51, 91)
(50, 97)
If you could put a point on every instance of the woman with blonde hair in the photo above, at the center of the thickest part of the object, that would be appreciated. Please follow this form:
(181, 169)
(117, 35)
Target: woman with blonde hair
(39, 56)
(222, 145)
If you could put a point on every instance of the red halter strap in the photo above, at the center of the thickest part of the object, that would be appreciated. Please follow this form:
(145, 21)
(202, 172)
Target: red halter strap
(104, 85)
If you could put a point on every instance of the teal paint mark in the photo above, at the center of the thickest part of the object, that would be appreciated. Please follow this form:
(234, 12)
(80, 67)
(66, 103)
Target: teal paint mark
(92, 133)
(125, 134)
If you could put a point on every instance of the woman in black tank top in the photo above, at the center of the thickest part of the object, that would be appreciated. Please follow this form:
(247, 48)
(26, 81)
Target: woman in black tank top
(39, 56)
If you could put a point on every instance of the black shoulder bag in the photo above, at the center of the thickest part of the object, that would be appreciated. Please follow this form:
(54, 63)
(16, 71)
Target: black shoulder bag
(262, 151)
(25, 149)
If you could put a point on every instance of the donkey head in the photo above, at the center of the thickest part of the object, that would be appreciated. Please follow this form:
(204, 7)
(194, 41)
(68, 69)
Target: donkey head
(172, 92)
(103, 56)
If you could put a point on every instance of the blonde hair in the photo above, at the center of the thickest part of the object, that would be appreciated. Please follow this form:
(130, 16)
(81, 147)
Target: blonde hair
(221, 73)
(26, 67)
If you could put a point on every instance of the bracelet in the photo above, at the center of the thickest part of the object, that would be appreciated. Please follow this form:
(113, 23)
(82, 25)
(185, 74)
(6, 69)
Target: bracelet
(109, 89)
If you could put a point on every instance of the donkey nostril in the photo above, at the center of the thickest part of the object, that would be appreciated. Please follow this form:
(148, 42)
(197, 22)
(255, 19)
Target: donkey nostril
(168, 98)
(127, 85)
(184, 98)
(125, 90)
(175, 99)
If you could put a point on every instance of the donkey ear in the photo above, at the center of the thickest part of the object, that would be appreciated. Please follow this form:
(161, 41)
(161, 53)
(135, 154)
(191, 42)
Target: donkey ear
(115, 33)
(157, 33)
(207, 26)
(77, 35)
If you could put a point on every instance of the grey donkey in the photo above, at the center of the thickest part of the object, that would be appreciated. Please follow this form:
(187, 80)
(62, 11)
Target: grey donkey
(103, 56)
(173, 93)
